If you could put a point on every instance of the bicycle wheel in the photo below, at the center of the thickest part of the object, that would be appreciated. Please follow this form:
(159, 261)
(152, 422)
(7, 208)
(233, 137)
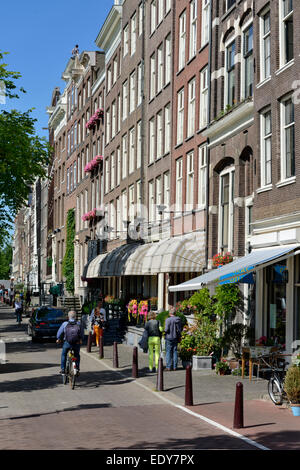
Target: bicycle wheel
(275, 391)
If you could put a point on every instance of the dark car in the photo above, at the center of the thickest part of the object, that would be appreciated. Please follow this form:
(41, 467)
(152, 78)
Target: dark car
(45, 322)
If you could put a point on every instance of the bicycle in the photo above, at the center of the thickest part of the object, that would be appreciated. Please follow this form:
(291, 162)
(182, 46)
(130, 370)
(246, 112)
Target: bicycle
(71, 371)
(276, 381)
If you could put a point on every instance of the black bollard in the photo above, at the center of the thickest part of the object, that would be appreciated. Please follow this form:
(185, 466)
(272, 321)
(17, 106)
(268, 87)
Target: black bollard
(238, 420)
(160, 376)
(188, 387)
(135, 369)
(89, 343)
(115, 356)
(101, 353)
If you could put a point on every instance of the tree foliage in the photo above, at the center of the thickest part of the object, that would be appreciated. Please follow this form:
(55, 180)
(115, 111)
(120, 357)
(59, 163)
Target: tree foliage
(23, 154)
(68, 261)
(5, 262)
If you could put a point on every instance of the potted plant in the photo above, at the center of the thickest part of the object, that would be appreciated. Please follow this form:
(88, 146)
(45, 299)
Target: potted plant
(187, 346)
(205, 331)
(222, 367)
(292, 388)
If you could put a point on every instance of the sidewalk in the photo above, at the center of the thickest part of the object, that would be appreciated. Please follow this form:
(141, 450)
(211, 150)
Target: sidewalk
(213, 396)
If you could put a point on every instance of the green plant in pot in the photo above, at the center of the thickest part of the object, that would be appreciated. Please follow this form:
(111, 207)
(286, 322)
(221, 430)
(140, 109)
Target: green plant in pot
(222, 367)
(186, 346)
(292, 388)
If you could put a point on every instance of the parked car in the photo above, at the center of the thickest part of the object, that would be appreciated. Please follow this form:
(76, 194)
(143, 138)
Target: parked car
(45, 322)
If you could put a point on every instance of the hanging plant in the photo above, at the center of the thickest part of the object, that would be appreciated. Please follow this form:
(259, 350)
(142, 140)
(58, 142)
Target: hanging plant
(220, 259)
(68, 261)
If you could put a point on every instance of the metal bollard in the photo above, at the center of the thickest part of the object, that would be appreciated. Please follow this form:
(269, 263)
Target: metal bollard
(101, 353)
(135, 369)
(160, 376)
(188, 387)
(115, 356)
(89, 343)
(238, 420)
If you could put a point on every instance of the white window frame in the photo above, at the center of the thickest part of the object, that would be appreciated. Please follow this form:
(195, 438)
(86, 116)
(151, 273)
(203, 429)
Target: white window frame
(159, 134)
(203, 112)
(226, 81)
(265, 159)
(139, 83)
(125, 40)
(283, 129)
(265, 38)
(189, 193)
(160, 11)
(153, 16)
(202, 176)
(182, 40)
(245, 28)
(113, 171)
(131, 150)
(231, 171)
(180, 116)
(133, 34)
(167, 123)
(168, 59)
(167, 192)
(193, 29)
(139, 145)
(160, 68)
(282, 40)
(125, 100)
(151, 140)
(152, 75)
(124, 156)
(113, 119)
(132, 92)
(205, 22)
(141, 12)
(151, 201)
(179, 183)
(191, 126)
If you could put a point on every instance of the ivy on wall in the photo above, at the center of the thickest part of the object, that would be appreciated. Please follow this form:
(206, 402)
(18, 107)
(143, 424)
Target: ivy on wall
(68, 261)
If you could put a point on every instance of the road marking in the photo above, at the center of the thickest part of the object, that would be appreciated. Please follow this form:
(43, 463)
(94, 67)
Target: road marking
(186, 410)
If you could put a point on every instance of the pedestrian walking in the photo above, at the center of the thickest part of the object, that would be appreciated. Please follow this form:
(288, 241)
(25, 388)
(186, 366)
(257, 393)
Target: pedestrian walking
(154, 331)
(18, 307)
(97, 325)
(172, 336)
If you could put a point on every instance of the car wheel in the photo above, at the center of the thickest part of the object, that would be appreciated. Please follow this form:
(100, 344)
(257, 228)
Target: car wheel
(34, 338)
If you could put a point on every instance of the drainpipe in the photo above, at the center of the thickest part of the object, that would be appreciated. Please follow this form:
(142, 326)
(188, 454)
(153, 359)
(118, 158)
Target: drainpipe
(208, 125)
(143, 111)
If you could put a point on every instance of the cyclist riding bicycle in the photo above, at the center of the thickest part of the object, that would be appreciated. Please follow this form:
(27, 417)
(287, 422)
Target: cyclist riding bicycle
(72, 333)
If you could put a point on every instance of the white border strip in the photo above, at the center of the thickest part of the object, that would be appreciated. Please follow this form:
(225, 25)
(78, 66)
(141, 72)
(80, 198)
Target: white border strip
(186, 410)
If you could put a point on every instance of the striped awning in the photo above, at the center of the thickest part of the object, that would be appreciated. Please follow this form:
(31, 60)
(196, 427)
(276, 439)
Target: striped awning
(178, 254)
(238, 269)
(93, 267)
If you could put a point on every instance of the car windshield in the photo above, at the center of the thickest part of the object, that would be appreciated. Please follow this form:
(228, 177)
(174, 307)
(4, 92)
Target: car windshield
(50, 314)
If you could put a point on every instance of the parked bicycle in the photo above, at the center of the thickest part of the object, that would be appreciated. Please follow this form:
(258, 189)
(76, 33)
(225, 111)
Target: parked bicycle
(71, 372)
(276, 381)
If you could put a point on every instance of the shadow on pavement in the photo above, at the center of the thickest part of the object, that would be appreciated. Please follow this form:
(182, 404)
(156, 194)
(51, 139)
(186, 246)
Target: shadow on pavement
(13, 367)
(86, 380)
(73, 408)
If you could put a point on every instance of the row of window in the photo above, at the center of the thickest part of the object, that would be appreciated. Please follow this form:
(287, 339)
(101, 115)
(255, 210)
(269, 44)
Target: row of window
(286, 37)
(188, 113)
(287, 143)
(190, 196)
(160, 67)
(187, 48)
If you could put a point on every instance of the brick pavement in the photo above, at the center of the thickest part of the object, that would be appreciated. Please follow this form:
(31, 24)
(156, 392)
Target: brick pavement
(269, 425)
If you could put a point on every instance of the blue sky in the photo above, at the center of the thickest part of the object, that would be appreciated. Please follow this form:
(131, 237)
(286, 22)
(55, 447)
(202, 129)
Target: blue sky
(39, 36)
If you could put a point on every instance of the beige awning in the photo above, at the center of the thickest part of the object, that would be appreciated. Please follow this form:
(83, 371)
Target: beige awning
(177, 254)
(182, 254)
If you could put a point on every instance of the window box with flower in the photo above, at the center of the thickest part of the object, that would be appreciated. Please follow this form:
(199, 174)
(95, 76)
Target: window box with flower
(221, 259)
(222, 367)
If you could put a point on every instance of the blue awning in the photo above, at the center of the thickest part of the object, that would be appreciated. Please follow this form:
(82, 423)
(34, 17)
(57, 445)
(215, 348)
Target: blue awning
(238, 269)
